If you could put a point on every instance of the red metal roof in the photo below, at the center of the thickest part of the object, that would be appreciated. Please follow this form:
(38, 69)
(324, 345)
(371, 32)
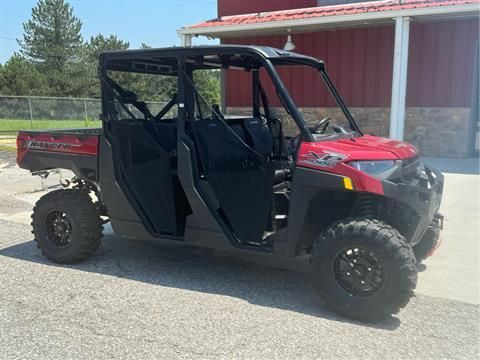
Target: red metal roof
(345, 9)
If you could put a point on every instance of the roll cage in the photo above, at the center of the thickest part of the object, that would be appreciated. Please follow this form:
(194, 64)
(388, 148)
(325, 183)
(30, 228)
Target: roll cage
(174, 170)
(181, 62)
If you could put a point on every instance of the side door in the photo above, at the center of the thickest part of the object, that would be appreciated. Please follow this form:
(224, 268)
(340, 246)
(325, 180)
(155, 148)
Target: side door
(143, 167)
(144, 172)
(240, 179)
(232, 176)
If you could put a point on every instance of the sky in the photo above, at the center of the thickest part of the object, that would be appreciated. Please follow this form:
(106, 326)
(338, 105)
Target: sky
(153, 22)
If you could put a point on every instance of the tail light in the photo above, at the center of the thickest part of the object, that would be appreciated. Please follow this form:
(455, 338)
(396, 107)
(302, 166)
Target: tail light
(21, 147)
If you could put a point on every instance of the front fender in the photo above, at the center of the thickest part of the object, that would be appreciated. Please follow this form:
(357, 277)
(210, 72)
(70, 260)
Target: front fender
(314, 196)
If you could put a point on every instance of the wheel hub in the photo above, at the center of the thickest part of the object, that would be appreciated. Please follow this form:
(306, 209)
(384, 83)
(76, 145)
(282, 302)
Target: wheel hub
(358, 271)
(59, 228)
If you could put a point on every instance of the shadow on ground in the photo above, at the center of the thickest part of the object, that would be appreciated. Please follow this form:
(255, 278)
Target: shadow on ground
(200, 270)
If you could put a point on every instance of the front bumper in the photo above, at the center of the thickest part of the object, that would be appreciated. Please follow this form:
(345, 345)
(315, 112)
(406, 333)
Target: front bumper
(422, 193)
(433, 235)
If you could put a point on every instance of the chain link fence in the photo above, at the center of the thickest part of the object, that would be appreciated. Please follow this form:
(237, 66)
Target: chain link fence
(32, 113)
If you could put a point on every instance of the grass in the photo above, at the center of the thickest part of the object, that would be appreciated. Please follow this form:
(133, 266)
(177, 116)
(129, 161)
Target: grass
(12, 125)
(10, 149)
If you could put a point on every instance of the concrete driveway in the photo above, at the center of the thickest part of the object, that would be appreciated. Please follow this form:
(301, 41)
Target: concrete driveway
(137, 300)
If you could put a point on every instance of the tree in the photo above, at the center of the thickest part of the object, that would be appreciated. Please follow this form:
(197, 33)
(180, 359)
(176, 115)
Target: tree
(93, 48)
(52, 40)
(20, 77)
(99, 43)
(207, 83)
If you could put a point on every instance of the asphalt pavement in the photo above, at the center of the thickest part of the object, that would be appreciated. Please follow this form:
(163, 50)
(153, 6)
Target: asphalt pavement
(137, 300)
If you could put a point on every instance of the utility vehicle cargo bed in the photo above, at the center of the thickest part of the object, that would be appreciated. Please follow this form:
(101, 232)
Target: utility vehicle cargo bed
(73, 149)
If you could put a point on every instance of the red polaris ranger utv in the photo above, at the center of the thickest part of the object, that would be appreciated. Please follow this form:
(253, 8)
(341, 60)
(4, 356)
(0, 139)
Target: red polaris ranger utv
(265, 181)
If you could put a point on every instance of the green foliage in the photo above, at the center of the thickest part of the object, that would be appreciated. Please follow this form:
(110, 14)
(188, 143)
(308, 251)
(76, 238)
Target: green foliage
(20, 77)
(55, 61)
(16, 124)
(52, 36)
(93, 48)
(53, 42)
(207, 83)
(99, 43)
(148, 87)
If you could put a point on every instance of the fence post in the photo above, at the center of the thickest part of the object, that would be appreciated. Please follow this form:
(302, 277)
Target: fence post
(31, 114)
(86, 112)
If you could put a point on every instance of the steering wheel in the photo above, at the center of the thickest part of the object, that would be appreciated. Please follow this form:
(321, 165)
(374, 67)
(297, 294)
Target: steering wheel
(321, 126)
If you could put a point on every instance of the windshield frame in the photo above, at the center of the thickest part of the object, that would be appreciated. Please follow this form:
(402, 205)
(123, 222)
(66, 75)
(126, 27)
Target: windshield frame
(288, 101)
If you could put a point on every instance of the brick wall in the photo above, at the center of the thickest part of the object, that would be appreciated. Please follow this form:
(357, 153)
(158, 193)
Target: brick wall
(436, 132)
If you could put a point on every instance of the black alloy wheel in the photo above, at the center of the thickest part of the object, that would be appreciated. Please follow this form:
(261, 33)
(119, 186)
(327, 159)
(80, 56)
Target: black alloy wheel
(364, 268)
(59, 228)
(358, 271)
(67, 225)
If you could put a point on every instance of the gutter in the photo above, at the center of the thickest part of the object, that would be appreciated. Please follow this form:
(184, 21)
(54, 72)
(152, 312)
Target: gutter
(217, 31)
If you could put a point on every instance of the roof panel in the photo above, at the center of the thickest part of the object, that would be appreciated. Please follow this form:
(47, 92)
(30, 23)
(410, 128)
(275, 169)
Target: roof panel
(316, 12)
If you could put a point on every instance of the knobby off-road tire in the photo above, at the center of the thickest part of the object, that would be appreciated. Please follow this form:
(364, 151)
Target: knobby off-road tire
(67, 226)
(353, 251)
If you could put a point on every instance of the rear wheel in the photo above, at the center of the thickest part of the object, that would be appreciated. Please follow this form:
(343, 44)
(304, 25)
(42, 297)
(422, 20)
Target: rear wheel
(364, 269)
(67, 226)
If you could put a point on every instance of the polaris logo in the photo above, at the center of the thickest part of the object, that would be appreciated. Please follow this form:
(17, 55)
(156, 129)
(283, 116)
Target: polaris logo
(45, 145)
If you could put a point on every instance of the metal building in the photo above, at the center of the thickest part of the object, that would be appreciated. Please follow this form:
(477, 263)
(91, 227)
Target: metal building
(407, 69)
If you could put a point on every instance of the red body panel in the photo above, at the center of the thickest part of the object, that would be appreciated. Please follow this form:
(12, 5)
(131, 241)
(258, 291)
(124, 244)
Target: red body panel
(334, 156)
(66, 144)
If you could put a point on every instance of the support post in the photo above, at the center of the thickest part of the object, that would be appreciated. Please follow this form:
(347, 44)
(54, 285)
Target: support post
(31, 113)
(187, 40)
(399, 83)
(86, 112)
(223, 90)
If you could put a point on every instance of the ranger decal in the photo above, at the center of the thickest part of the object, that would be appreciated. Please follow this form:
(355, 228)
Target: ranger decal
(45, 145)
(323, 160)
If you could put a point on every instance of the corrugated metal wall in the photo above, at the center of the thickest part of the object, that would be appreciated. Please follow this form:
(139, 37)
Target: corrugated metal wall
(441, 64)
(360, 62)
(235, 7)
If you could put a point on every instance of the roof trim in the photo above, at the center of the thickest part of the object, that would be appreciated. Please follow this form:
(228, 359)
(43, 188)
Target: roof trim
(267, 52)
(220, 28)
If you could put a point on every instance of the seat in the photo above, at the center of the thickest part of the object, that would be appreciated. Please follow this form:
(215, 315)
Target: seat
(220, 149)
(256, 135)
(166, 133)
(260, 136)
(239, 131)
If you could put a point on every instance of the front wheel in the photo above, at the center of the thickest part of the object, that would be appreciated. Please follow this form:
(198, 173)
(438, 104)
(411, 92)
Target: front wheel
(364, 269)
